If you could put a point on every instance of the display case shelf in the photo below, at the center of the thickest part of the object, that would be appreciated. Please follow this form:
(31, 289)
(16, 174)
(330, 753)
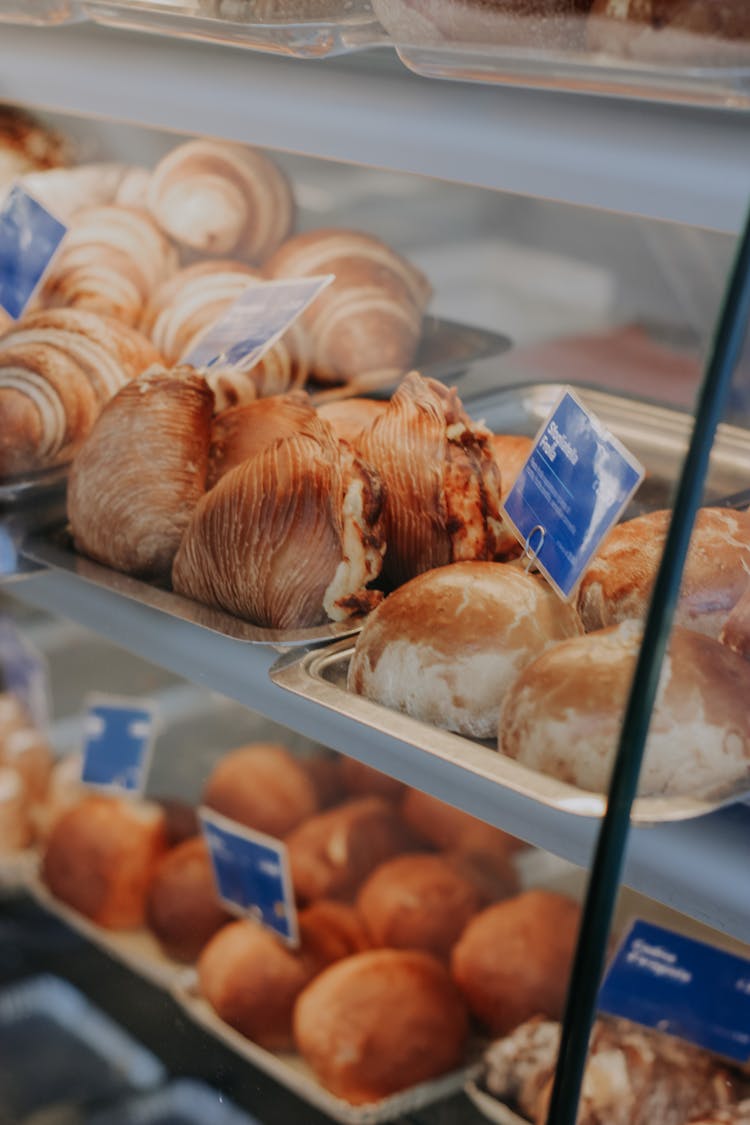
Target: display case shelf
(672, 162)
(698, 867)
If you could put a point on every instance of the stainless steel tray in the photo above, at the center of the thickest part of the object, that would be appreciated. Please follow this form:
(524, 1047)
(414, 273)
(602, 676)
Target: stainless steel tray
(55, 550)
(659, 437)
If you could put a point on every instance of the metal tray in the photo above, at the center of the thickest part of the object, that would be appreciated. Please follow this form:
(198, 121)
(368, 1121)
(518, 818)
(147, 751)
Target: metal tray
(659, 437)
(184, 1102)
(86, 1056)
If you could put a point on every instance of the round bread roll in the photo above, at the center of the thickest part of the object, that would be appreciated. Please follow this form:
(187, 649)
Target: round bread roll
(417, 902)
(263, 787)
(446, 647)
(364, 781)
(618, 583)
(252, 980)
(446, 827)
(182, 908)
(379, 1022)
(564, 715)
(330, 931)
(513, 960)
(331, 854)
(101, 856)
(350, 416)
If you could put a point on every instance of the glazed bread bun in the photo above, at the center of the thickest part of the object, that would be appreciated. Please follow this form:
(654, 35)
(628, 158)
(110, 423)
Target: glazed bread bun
(446, 647)
(417, 902)
(182, 907)
(513, 960)
(446, 827)
(332, 853)
(263, 787)
(350, 416)
(380, 1022)
(618, 583)
(330, 931)
(363, 781)
(564, 714)
(101, 856)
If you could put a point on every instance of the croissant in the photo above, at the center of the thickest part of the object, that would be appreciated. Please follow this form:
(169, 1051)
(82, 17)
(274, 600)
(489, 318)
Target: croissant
(110, 261)
(441, 482)
(218, 198)
(242, 432)
(289, 537)
(58, 368)
(183, 307)
(142, 470)
(366, 325)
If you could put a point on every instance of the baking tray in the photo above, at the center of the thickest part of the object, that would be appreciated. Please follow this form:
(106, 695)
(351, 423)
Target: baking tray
(184, 1102)
(659, 437)
(300, 28)
(86, 1056)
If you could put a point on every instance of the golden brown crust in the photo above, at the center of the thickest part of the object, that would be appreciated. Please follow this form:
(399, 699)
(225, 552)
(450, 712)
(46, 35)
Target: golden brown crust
(141, 472)
(100, 858)
(182, 907)
(513, 960)
(244, 431)
(331, 931)
(263, 787)
(350, 416)
(380, 1022)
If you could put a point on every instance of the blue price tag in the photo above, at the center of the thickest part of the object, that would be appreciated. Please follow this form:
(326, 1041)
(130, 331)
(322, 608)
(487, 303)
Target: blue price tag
(29, 239)
(257, 319)
(574, 486)
(24, 672)
(118, 741)
(682, 987)
(252, 874)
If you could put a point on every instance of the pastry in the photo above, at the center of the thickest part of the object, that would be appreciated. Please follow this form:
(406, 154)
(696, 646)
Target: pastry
(15, 825)
(263, 787)
(618, 583)
(564, 714)
(379, 1022)
(66, 191)
(289, 538)
(366, 325)
(449, 828)
(141, 472)
(58, 368)
(241, 432)
(513, 959)
(348, 417)
(101, 856)
(111, 260)
(216, 198)
(332, 930)
(26, 145)
(441, 482)
(360, 780)
(182, 908)
(447, 646)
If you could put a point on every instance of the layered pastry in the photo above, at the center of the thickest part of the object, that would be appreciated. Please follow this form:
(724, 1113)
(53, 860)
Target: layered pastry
(241, 432)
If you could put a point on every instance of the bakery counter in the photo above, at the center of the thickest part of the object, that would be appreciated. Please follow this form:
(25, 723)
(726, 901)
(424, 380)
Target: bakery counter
(697, 866)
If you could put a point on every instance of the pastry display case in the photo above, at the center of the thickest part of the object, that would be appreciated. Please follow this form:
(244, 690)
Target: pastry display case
(304, 578)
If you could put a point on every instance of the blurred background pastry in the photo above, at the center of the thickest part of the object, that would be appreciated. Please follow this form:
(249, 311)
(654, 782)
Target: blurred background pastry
(182, 907)
(263, 787)
(26, 145)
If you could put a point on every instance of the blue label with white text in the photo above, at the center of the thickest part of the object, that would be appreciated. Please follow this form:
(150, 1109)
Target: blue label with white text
(29, 239)
(252, 874)
(572, 489)
(682, 987)
(118, 738)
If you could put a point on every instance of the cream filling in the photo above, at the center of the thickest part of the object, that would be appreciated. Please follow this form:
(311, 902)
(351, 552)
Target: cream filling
(360, 564)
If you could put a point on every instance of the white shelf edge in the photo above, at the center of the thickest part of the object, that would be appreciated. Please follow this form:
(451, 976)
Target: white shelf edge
(678, 163)
(697, 867)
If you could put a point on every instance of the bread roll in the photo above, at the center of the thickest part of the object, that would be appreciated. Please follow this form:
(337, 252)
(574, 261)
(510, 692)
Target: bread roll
(380, 1022)
(564, 714)
(417, 902)
(288, 539)
(332, 853)
(111, 260)
(101, 856)
(331, 931)
(447, 827)
(15, 825)
(141, 472)
(360, 780)
(182, 907)
(242, 432)
(492, 873)
(442, 484)
(263, 787)
(58, 368)
(350, 416)
(618, 583)
(366, 325)
(447, 647)
(217, 198)
(513, 960)
(181, 820)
